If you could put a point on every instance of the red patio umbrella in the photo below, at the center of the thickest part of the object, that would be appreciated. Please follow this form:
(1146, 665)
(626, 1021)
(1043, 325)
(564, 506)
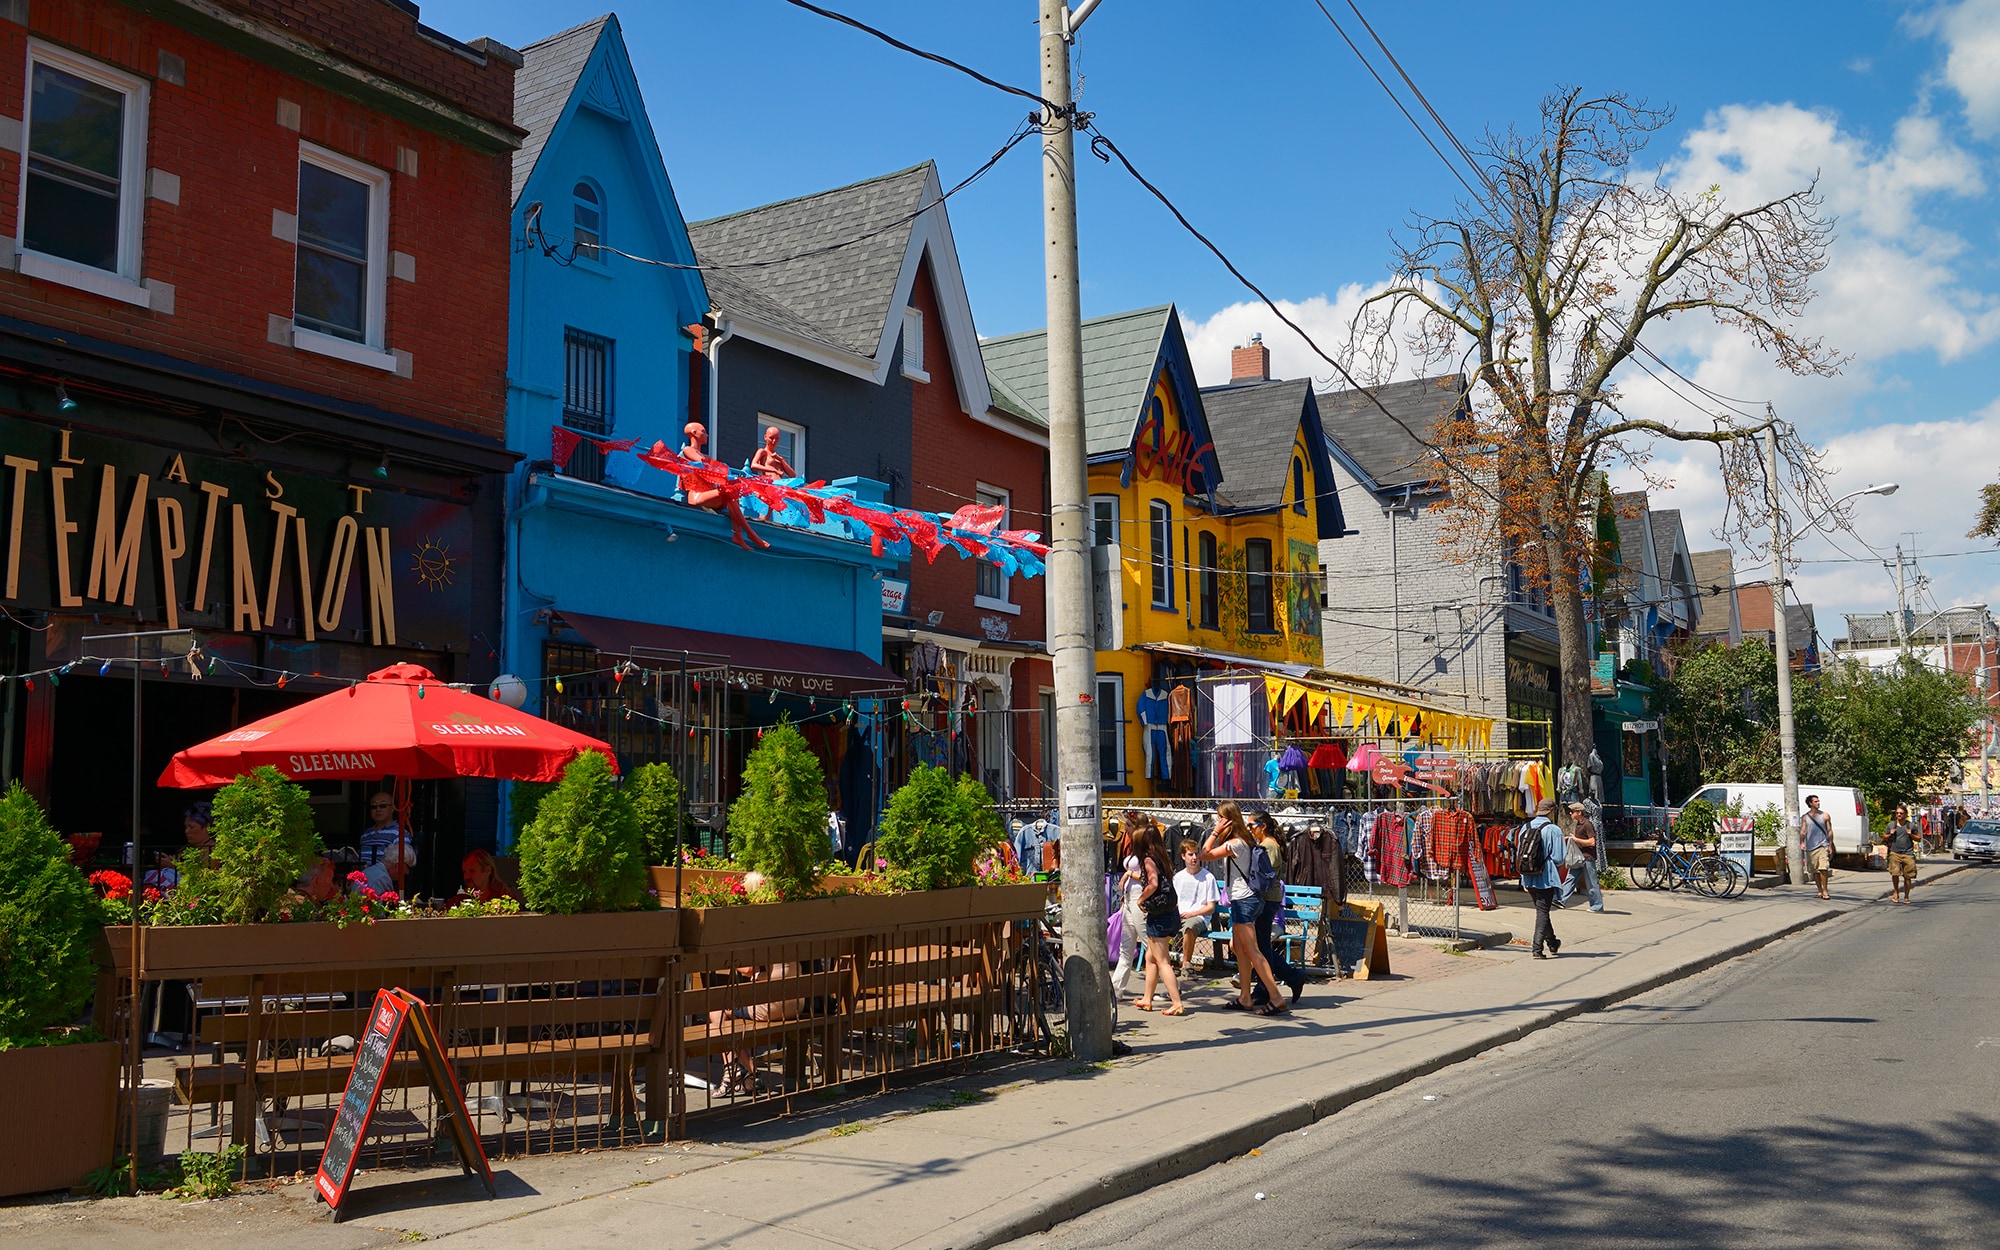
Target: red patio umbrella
(401, 722)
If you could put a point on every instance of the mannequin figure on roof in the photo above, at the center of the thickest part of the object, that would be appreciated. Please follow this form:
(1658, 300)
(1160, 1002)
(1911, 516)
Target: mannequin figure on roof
(767, 461)
(714, 500)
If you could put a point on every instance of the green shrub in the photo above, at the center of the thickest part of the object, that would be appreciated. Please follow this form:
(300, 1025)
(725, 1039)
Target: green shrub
(778, 826)
(656, 799)
(1696, 823)
(264, 838)
(935, 829)
(524, 798)
(48, 913)
(1770, 824)
(583, 850)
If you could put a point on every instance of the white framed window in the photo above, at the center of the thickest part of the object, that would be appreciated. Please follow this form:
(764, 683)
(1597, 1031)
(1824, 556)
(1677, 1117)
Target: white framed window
(587, 219)
(1160, 551)
(1111, 729)
(994, 589)
(1103, 520)
(913, 345)
(83, 176)
(791, 440)
(340, 290)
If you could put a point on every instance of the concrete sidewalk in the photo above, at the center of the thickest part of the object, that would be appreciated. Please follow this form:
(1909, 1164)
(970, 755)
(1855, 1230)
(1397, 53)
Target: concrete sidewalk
(980, 1159)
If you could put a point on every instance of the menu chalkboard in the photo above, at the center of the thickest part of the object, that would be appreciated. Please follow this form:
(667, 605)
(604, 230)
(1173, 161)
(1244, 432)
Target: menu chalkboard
(392, 1010)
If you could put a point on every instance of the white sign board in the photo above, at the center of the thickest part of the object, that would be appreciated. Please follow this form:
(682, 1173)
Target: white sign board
(1641, 726)
(1738, 842)
(1080, 803)
(895, 594)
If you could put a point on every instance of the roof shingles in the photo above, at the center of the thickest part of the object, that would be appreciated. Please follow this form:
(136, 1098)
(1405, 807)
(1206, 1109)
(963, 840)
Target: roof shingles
(543, 86)
(1120, 354)
(1380, 447)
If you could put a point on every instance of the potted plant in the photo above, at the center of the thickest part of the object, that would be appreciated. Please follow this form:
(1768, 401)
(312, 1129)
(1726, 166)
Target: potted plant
(655, 793)
(584, 851)
(778, 826)
(58, 1084)
(936, 828)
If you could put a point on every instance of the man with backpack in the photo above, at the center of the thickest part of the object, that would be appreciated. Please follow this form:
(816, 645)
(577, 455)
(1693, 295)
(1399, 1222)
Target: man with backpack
(1538, 852)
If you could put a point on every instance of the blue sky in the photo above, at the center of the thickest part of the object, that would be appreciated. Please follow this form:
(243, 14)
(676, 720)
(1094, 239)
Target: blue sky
(1260, 123)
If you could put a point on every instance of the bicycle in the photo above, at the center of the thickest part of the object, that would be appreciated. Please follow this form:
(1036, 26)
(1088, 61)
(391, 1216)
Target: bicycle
(1707, 873)
(1035, 982)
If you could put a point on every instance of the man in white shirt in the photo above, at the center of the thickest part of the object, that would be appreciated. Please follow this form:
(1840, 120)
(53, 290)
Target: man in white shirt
(1196, 890)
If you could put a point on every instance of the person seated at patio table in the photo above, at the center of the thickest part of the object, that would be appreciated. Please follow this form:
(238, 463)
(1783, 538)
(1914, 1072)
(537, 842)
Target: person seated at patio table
(165, 874)
(379, 840)
(739, 1068)
(482, 879)
(319, 883)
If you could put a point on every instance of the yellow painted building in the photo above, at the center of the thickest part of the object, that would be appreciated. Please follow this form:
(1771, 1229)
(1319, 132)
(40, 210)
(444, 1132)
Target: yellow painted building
(1208, 507)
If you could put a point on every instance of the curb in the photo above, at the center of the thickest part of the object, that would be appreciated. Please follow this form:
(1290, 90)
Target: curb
(1143, 1173)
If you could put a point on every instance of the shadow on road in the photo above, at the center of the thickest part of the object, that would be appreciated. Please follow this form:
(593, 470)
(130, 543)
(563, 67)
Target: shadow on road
(1825, 1181)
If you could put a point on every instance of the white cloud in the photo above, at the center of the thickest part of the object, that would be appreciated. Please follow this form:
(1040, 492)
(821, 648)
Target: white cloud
(1326, 320)
(1939, 465)
(1971, 35)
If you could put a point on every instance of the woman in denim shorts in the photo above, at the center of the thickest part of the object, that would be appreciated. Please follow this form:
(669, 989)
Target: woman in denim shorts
(1230, 841)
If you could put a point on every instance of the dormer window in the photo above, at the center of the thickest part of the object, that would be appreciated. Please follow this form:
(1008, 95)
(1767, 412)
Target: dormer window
(588, 214)
(1298, 485)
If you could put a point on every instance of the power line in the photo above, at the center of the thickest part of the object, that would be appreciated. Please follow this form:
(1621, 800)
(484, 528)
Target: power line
(945, 61)
(556, 251)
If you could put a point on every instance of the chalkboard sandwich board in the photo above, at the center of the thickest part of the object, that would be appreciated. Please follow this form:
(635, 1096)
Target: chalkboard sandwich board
(393, 1011)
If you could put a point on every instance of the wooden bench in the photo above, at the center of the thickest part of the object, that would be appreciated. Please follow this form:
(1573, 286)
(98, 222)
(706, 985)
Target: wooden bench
(504, 1023)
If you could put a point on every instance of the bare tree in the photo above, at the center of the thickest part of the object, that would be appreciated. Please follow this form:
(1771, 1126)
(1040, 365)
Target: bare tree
(1554, 278)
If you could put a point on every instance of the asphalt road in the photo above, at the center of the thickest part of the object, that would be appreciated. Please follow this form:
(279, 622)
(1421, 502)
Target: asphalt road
(1836, 1089)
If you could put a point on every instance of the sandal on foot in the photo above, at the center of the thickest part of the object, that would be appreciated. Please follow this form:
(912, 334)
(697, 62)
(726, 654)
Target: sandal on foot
(1236, 1004)
(1180, 1010)
(1142, 1004)
(1273, 1009)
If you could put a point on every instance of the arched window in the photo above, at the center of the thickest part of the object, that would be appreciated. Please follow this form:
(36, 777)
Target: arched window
(1298, 485)
(588, 212)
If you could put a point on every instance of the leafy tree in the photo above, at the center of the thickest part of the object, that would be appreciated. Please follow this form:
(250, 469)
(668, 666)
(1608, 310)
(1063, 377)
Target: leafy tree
(47, 915)
(1988, 524)
(1911, 720)
(583, 851)
(264, 838)
(1720, 710)
(778, 826)
(656, 800)
(1556, 277)
(935, 828)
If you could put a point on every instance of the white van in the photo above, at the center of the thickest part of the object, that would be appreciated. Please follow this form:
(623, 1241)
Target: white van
(1846, 805)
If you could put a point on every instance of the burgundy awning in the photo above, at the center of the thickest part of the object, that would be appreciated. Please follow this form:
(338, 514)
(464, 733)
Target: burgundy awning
(787, 667)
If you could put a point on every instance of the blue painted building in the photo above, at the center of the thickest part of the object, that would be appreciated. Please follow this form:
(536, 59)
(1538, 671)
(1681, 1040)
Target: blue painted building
(670, 642)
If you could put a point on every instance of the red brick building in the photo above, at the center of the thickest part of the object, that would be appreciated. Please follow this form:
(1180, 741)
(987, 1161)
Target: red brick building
(995, 624)
(253, 337)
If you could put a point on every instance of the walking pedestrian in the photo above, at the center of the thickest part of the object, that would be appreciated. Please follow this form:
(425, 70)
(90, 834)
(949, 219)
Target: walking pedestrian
(1161, 907)
(1230, 843)
(1584, 856)
(1542, 883)
(1817, 829)
(1902, 842)
(1272, 912)
(1131, 882)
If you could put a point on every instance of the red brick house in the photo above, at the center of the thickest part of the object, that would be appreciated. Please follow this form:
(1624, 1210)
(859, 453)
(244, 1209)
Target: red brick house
(253, 337)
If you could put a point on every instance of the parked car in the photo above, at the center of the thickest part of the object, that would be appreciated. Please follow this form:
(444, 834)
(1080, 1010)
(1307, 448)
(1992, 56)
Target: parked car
(1977, 839)
(1846, 805)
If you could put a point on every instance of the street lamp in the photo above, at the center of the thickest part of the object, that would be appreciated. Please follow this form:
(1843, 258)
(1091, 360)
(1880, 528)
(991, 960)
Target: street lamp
(1788, 750)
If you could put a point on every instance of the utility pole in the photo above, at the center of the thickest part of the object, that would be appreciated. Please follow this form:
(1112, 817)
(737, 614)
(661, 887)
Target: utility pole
(1902, 604)
(1788, 751)
(1072, 637)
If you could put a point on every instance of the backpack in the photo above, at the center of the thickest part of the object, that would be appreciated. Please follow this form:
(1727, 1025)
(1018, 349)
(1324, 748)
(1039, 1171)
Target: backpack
(1531, 857)
(1262, 876)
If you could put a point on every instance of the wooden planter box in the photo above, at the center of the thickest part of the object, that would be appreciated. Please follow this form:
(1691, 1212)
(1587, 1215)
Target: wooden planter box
(711, 878)
(711, 928)
(182, 952)
(60, 1108)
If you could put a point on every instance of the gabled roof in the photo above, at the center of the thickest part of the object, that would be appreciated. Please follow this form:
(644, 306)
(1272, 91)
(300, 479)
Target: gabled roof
(543, 86)
(826, 277)
(1714, 574)
(844, 294)
(1255, 426)
(1010, 401)
(1634, 544)
(1120, 353)
(1377, 447)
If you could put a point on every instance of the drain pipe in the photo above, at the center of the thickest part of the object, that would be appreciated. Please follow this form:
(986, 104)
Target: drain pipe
(726, 331)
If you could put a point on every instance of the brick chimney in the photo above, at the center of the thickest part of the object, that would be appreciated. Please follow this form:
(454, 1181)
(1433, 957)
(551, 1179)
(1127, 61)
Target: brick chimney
(1252, 363)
